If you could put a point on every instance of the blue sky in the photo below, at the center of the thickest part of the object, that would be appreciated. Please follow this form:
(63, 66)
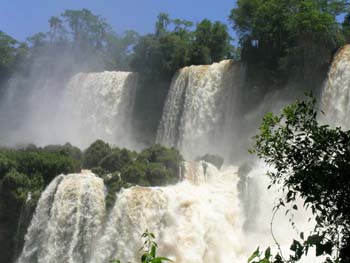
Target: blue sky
(22, 18)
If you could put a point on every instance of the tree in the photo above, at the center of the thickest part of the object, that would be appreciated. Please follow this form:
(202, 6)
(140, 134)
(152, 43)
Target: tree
(116, 160)
(95, 153)
(163, 20)
(281, 38)
(11, 54)
(211, 43)
(311, 161)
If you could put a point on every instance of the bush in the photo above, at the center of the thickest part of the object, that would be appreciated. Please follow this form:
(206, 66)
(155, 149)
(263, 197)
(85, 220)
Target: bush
(170, 158)
(135, 173)
(95, 153)
(116, 159)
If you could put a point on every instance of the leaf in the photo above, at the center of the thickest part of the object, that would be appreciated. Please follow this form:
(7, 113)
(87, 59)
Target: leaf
(268, 253)
(254, 255)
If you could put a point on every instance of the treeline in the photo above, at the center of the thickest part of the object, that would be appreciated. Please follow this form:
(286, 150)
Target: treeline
(280, 42)
(91, 44)
(25, 172)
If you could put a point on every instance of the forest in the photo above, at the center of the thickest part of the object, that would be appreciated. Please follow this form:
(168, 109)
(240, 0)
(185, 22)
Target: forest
(280, 43)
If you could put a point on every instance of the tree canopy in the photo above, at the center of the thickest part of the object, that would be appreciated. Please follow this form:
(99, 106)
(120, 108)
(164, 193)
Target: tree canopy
(282, 38)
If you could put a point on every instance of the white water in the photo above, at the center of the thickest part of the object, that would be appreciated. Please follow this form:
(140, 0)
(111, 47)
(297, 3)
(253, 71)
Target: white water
(202, 219)
(196, 221)
(200, 109)
(91, 106)
(336, 93)
(99, 106)
(67, 219)
(199, 220)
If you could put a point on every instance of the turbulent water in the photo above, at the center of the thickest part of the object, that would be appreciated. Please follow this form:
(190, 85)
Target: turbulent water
(200, 111)
(90, 106)
(336, 94)
(67, 219)
(197, 220)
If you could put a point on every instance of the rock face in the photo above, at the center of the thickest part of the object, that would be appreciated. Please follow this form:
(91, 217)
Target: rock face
(201, 109)
(336, 93)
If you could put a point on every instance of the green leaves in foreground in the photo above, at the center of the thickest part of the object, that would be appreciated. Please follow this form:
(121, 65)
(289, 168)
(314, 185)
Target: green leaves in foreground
(311, 161)
(150, 250)
(266, 257)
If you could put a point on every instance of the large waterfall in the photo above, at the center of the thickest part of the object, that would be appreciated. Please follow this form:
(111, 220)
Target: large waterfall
(90, 106)
(336, 93)
(99, 106)
(211, 216)
(199, 113)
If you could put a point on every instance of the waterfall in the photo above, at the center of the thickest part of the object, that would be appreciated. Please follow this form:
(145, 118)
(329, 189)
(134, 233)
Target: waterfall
(196, 221)
(336, 93)
(68, 217)
(199, 220)
(90, 106)
(200, 110)
(99, 106)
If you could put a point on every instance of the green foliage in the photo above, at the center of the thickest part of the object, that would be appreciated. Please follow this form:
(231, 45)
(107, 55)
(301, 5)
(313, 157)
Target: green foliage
(214, 159)
(135, 173)
(149, 250)
(281, 39)
(67, 150)
(94, 154)
(311, 161)
(23, 173)
(11, 54)
(211, 42)
(121, 168)
(116, 159)
(266, 257)
(160, 55)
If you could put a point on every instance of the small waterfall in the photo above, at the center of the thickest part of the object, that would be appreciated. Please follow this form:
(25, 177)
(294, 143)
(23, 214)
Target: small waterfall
(336, 93)
(197, 221)
(200, 110)
(68, 216)
(99, 106)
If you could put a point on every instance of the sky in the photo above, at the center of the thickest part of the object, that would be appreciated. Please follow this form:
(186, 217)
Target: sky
(23, 18)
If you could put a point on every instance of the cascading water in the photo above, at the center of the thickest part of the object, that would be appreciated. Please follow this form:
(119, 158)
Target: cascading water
(90, 106)
(99, 106)
(199, 113)
(336, 93)
(198, 220)
(212, 216)
(67, 219)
